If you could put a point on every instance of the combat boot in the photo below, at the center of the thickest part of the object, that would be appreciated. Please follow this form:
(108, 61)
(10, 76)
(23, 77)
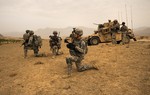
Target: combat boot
(53, 56)
(69, 66)
(41, 55)
(94, 67)
(25, 53)
(69, 69)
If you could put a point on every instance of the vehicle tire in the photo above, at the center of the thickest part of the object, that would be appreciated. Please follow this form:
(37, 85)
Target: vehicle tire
(94, 41)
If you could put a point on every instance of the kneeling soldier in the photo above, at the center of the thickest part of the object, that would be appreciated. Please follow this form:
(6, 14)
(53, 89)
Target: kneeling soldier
(77, 51)
(55, 44)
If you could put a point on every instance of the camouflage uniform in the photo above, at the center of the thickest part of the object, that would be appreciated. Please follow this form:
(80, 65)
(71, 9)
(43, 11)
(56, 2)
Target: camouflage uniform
(55, 43)
(100, 26)
(114, 30)
(110, 24)
(124, 30)
(32, 44)
(77, 55)
(25, 43)
(72, 34)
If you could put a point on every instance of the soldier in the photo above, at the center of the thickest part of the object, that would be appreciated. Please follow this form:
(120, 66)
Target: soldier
(100, 26)
(72, 34)
(77, 51)
(114, 29)
(110, 23)
(124, 30)
(55, 43)
(25, 42)
(32, 43)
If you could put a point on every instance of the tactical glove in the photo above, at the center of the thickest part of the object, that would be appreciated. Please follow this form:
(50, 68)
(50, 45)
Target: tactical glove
(66, 41)
(71, 46)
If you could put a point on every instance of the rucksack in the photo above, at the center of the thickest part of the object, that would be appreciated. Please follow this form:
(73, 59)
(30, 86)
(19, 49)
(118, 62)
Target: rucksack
(86, 45)
(26, 37)
(37, 40)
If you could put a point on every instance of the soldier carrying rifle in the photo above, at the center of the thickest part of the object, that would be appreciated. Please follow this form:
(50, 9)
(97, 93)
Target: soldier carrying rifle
(32, 42)
(55, 44)
(77, 49)
(25, 42)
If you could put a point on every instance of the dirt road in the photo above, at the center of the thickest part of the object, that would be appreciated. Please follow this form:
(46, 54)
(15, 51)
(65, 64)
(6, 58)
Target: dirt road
(123, 71)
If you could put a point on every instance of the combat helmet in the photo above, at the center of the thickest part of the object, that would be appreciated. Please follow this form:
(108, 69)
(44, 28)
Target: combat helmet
(123, 23)
(27, 31)
(78, 32)
(115, 21)
(31, 32)
(109, 20)
(55, 32)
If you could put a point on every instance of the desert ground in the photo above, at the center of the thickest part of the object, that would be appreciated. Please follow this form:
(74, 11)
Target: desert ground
(123, 70)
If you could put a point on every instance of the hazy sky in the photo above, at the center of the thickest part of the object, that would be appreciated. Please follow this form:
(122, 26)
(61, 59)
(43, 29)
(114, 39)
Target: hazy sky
(19, 15)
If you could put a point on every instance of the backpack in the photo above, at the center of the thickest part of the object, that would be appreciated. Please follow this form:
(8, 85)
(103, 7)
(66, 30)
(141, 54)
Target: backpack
(26, 37)
(86, 45)
(37, 40)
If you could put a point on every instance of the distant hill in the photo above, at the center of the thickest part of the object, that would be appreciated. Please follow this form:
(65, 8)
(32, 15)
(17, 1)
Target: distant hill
(63, 31)
(1, 36)
(45, 32)
(142, 31)
(13, 34)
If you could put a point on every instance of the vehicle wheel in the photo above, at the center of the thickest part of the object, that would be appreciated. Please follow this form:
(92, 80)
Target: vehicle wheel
(94, 41)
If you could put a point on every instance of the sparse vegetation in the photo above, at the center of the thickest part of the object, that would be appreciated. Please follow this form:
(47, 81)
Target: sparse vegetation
(7, 41)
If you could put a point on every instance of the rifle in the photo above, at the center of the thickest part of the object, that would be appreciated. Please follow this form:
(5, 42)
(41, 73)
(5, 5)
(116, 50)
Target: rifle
(96, 24)
(70, 38)
(71, 46)
(22, 44)
(73, 29)
(24, 41)
(58, 34)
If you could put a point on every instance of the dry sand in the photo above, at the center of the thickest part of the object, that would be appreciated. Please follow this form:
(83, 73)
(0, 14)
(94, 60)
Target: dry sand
(123, 71)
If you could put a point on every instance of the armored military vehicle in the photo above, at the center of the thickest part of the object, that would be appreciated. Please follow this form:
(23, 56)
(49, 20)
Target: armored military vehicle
(103, 35)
